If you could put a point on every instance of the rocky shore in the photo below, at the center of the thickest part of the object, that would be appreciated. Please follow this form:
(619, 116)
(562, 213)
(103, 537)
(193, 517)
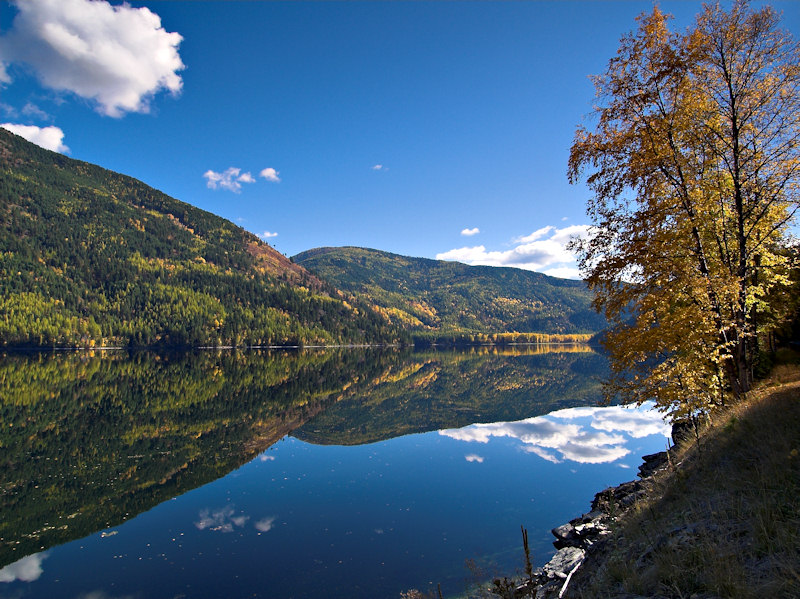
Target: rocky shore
(583, 537)
(717, 516)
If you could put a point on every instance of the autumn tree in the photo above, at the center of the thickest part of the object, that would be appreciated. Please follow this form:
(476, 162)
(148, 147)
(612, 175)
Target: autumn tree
(694, 168)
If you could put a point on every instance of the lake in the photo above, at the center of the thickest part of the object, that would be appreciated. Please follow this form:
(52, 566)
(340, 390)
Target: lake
(338, 473)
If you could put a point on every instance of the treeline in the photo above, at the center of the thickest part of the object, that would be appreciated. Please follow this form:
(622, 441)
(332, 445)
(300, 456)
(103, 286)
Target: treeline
(90, 257)
(457, 339)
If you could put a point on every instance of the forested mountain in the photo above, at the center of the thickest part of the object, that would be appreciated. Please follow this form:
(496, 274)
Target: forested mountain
(444, 298)
(89, 256)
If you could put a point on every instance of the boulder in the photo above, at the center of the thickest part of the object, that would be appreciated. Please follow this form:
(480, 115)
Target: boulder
(563, 562)
(682, 432)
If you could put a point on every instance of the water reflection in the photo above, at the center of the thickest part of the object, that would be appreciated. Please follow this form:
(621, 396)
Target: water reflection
(354, 501)
(91, 440)
(222, 520)
(28, 569)
(576, 434)
(435, 390)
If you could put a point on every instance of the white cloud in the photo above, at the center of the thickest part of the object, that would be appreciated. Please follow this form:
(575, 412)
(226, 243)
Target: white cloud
(265, 524)
(470, 232)
(231, 179)
(472, 457)
(563, 272)
(31, 109)
(118, 56)
(268, 235)
(221, 520)
(379, 167)
(50, 138)
(28, 569)
(544, 250)
(270, 174)
(535, 236)
(583, 435)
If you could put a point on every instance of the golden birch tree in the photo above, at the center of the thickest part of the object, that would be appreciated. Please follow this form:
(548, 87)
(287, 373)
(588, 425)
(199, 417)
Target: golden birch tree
(694, 168)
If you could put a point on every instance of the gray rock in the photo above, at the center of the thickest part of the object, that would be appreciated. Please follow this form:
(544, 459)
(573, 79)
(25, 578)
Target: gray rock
(564, 532)
(563, 562)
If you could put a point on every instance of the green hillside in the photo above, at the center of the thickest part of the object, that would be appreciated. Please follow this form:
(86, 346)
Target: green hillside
(89, 256)
(444, 298)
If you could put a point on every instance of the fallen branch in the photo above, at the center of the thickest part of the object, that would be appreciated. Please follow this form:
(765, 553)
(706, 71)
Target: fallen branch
(569, 576)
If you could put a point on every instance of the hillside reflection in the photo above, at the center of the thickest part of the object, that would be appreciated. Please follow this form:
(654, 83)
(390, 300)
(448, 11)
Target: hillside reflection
(437, 390)
(91, 440)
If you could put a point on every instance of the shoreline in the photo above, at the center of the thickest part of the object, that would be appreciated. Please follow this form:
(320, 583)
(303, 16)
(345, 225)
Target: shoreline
(587, 534)
(716, 515)
(190, 348)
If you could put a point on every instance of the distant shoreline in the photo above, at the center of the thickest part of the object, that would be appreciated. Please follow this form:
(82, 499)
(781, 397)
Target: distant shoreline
(179, 348)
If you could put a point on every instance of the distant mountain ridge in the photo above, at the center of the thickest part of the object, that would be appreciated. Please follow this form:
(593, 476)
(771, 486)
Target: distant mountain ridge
(91, 257)
(442, 297)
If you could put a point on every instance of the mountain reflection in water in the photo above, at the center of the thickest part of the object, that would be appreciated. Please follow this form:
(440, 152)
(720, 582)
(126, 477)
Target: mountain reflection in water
(392, 477)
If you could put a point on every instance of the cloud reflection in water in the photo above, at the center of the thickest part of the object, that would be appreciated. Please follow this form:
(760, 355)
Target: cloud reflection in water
(584, 435)
(221, 520)
(27, 569)
(265, 524)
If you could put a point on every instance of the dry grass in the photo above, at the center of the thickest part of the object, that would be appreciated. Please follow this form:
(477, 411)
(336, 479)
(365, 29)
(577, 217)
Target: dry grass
(726, 522)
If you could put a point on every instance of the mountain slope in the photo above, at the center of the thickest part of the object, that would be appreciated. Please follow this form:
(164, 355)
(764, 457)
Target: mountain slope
(450, 297)
(89, 256)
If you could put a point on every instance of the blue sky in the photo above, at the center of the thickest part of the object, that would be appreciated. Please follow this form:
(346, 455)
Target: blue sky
(436, 129)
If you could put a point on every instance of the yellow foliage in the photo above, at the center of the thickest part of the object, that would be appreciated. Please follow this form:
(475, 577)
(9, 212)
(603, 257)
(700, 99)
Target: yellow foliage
(693, 165)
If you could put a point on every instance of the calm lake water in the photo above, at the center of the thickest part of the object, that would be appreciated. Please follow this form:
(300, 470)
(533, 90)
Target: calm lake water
(316, 473)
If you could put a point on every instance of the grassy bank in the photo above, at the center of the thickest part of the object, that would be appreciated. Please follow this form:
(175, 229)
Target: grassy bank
(724, 520)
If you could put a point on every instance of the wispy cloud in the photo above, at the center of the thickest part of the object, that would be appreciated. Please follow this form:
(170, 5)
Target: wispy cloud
(231, 179)
(50, 138)
(271, 175)
(32, 110)
(118, 56)
(267, 235)
(379, 167)
(470, 232)
(473, 457)
(544, 250)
